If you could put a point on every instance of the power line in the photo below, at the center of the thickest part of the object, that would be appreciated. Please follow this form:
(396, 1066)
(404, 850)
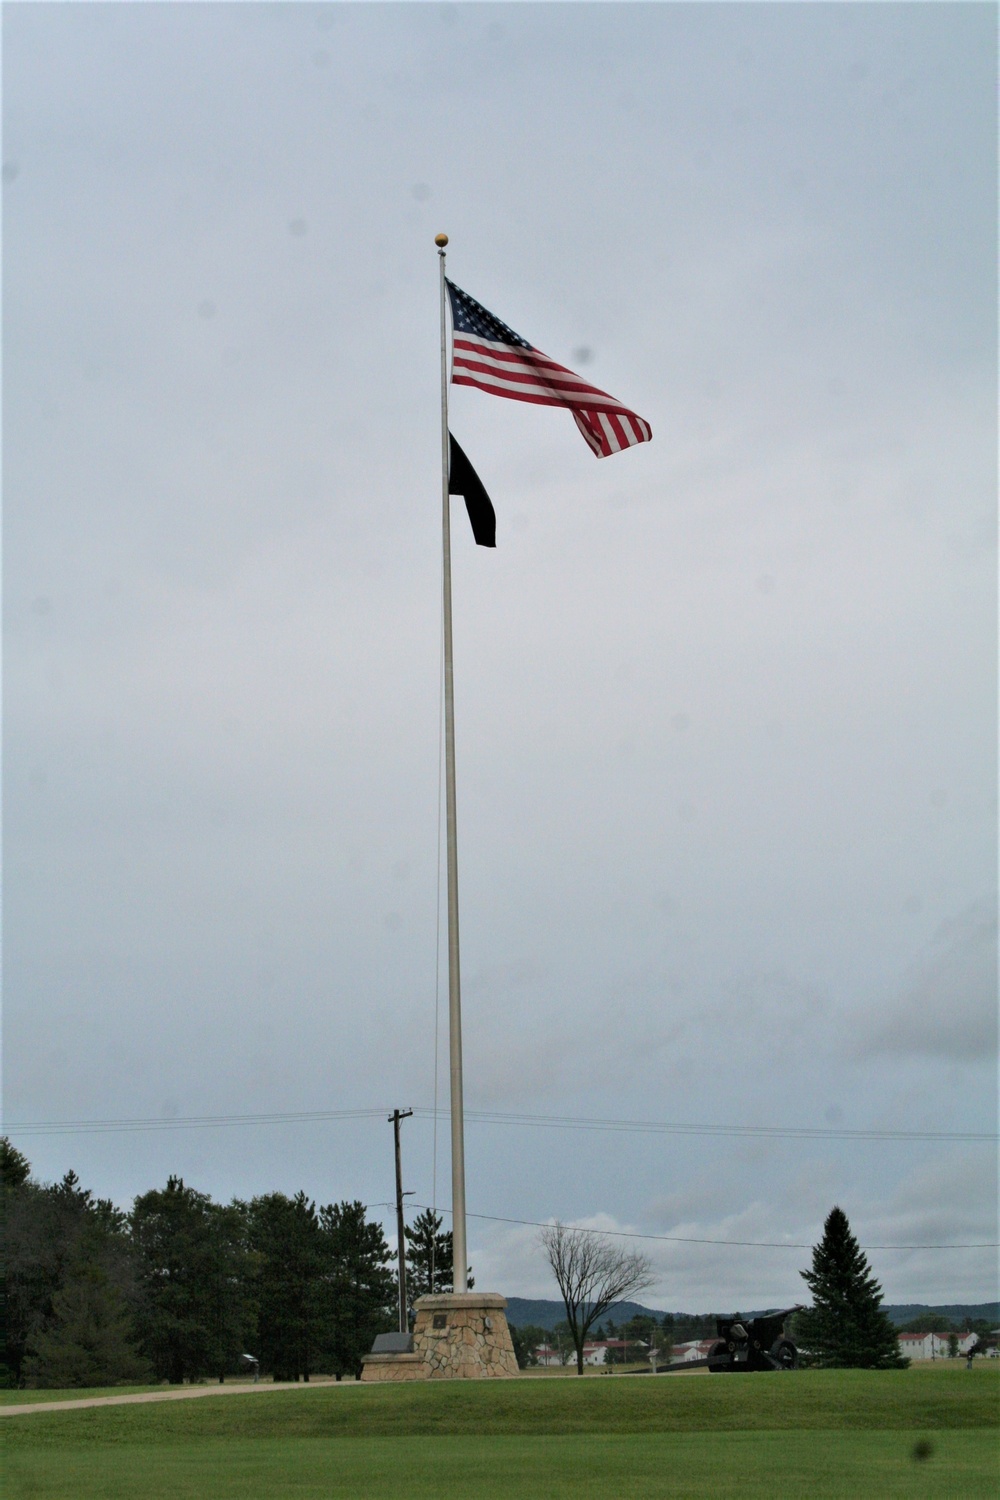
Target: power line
(497, 1117)
(665, 1127)
(680, 1239)
(189, 1122)
(185, 1122)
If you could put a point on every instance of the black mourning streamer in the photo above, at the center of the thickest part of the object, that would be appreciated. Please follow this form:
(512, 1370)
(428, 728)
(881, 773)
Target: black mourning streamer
(463, 480)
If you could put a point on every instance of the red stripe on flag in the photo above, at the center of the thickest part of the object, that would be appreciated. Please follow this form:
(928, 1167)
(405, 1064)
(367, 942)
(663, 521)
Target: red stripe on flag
(526, 374)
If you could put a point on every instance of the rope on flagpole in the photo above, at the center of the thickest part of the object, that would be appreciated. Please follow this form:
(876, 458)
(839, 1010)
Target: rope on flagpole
(437, 943)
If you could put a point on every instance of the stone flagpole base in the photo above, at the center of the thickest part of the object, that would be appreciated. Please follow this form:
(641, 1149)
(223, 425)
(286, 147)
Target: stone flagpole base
(457, 1336)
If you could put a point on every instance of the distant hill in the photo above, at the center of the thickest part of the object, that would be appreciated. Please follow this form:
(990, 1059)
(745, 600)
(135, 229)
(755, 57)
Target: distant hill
(541, 1313)
(957, 1312)
(538, 1313)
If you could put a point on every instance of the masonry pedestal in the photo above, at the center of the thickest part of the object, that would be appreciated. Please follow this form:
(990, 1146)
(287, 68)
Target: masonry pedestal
(457, 1335)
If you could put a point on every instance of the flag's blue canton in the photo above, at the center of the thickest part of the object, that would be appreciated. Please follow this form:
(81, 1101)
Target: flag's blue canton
(471, 317)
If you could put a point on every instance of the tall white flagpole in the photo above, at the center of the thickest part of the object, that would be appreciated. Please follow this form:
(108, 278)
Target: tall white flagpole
(461, 1260)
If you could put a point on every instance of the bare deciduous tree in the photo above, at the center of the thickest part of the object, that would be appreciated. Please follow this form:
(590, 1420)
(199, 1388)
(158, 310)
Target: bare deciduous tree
(593, 1274)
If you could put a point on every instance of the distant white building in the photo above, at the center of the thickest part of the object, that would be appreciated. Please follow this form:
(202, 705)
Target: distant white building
(595, 1352)
(932, 1345)
(603, 1347)
(683, 1354)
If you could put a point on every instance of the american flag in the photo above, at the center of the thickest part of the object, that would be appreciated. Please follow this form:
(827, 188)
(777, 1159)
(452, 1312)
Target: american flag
(493, 357)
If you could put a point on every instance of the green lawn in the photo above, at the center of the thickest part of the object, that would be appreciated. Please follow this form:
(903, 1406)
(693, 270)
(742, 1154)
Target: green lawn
(815, 1432)
(24, 1398)
(962, 1464)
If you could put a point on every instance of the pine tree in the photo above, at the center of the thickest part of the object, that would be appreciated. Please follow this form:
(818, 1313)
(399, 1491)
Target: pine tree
(846, 1327)
(50, 1232)
(15, 1169)
(360, 1285)
(429, 1257)
(89, 1340)
(287, 1244)
(191, 1258)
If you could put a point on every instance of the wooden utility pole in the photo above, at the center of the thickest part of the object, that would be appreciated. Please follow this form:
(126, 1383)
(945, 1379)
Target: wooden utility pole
(394, 1120)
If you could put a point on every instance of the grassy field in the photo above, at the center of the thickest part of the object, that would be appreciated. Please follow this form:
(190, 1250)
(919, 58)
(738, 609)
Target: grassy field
(816, 1432)
(23, 1398)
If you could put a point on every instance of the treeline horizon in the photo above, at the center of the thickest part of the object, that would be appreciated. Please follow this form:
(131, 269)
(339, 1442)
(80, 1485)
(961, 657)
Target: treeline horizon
(182, 1288)
(908, 1317)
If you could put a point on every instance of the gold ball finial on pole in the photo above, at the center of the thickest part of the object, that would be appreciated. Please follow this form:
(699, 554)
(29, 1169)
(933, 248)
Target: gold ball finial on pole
(440, 240)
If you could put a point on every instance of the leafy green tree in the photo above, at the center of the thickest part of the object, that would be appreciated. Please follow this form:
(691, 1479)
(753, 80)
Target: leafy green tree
(641, 1330)
(846, 1326)
(287, 1246)
(663, 1338)
(561, 1340)
(359, 1286)
(526, 1341)
(614, 1334)
(691, 1326)
(929, 1323)
(89, 1339)
(953, 1346)
(191, 1260)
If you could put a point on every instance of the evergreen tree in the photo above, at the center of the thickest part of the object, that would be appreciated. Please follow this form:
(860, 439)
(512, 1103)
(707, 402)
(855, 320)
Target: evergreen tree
(359, 1285)
(430, 1257)
(15, 1169)
(191, 1259)
(289, 1264)
(89, 1340)
(526, 1341)
(846, 1326)
(50, 1234)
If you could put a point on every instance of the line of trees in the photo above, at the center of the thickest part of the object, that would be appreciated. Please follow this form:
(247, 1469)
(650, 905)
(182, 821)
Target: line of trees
(633, 1340)
(181, 1287)
(638, 1336)
(845, 1327)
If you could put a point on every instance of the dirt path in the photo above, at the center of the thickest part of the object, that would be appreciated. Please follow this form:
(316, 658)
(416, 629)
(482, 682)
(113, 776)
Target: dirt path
(179, 1393)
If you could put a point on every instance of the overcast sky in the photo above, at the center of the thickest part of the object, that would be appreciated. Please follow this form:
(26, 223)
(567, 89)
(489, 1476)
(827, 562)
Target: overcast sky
(726, 703)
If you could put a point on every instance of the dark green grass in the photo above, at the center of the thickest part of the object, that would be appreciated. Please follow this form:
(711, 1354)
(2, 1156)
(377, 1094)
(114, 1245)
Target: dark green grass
(821, 1400)
(74, 1393)
(815, 1432)
(507, 1468)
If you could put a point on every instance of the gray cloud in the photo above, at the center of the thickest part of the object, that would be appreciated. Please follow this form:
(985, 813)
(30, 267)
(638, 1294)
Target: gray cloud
(726, 704)
(948, 1008)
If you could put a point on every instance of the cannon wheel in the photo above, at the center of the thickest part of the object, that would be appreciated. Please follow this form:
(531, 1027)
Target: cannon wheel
(719, 1352)
(785, 1352)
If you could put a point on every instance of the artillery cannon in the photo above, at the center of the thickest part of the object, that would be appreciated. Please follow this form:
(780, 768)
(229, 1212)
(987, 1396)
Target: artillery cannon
(753, 1343)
